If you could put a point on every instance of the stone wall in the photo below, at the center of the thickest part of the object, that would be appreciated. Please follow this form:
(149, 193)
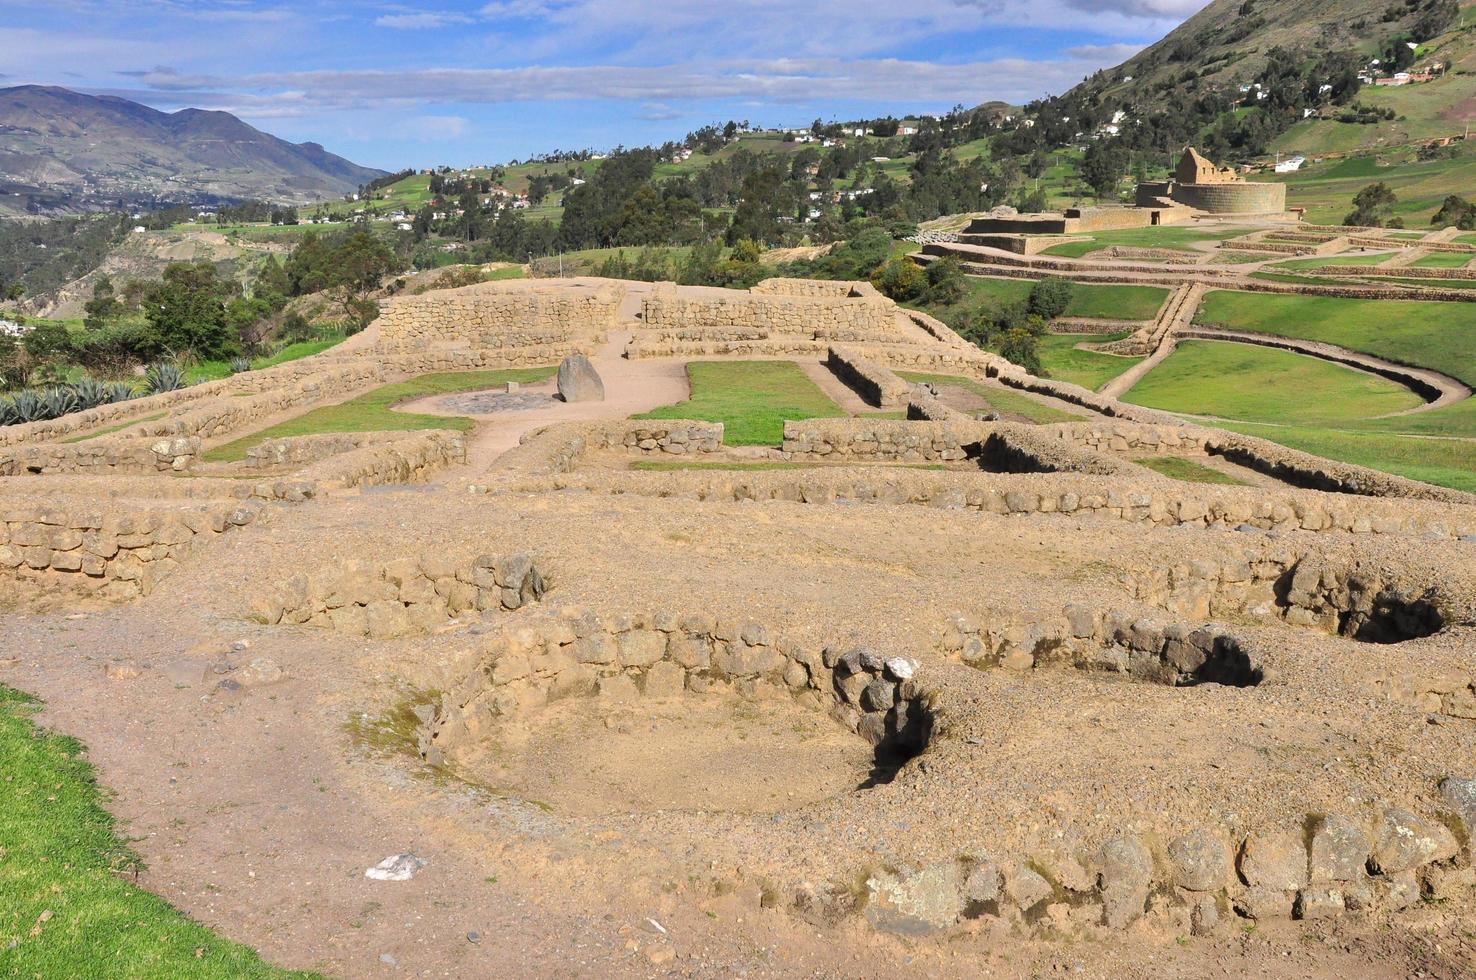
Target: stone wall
(223, 415)
(498, 315)
(116, 455)
(1237, 198)
(834, 289)
(876, 384)
(664, 654)
(402, 597)
(771, 314)
(557, 448)
(117, 551)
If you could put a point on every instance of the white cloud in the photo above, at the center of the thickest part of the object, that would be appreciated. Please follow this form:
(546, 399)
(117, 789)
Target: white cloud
(440, 127)
(422, 20)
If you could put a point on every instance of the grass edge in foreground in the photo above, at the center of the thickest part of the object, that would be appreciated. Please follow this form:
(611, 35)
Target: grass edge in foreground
(63, 856)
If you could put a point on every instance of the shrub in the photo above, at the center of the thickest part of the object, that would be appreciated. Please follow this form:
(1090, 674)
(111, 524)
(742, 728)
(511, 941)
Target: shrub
(1019, 346)
(240, 365)
(1049, 298)
(899, 279)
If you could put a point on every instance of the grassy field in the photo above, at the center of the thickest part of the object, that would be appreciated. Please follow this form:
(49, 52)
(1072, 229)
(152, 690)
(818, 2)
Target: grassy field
(66, 906)
(1090, 369)
(1254, 384)
(1318, 261)
(756, 466)
(1178, 468)
(1108, 301)
(1442, 260)
(215, 370)
(752, 399)
(1444, 462)
(1326, 190)
(1005, 400)
(371, 411)
(1161, 236)
(1441, 336)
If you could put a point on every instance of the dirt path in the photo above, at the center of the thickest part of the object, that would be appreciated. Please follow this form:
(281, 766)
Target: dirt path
(631, 387)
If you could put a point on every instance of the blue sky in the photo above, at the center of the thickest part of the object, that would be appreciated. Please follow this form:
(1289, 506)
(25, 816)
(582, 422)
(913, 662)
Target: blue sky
(480, 81)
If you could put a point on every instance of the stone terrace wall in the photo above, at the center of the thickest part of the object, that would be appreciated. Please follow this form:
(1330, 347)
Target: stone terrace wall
(101, 455)
(780, 286)
(402, 597)
(557, 448)
(876, 384)
(223, 415)
(498, 315)
(391, 458)
(116, 550)
(1142, 497)
(806, 316)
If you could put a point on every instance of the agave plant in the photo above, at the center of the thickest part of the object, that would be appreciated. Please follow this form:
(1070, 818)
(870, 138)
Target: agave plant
(60, 400)
(28, 406)
(118, 391)
(90, 392)
(163, 376)
(240, 365)
(8, 414)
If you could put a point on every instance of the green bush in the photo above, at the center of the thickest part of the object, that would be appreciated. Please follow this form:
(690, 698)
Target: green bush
(900, 279)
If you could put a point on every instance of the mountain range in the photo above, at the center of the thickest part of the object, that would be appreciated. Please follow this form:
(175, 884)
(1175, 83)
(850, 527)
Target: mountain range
(67, 151)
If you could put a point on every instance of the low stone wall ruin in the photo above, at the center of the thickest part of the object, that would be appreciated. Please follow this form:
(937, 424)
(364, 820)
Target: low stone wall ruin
(402, 597)
(772, 314)
(876, 384)
(102, 455)
(663, 654)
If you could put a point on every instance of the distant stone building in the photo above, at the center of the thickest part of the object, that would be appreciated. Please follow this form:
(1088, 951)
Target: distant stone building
(1201, 185)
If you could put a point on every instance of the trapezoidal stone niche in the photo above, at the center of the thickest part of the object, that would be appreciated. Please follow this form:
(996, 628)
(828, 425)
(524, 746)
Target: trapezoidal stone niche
(587, 716)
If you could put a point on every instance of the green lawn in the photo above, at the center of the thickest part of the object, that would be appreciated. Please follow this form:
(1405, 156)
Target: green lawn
(671, 466)
(1007, 401)
(1090, 369)
(752, 399)
(371, 411)
(1318, 261)
(215, 370)
(1109, 301)
(1436, 335)
(1443, 462)
(1161, 236)
(67, 908)
(1259, 384)
(1442, 260)
(1178, 468)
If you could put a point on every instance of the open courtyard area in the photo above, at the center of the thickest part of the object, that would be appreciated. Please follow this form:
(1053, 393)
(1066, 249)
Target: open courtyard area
(589, 627)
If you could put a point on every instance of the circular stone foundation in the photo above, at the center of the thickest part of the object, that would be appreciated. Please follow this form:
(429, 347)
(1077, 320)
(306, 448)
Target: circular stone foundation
(590, 757)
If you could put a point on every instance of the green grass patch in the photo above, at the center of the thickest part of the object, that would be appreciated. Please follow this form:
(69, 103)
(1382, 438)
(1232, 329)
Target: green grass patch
(1090, 369)
(1443, 462)
(372, 411)
(1261, 384)
(1442, 260)
(1430, 334)
(1160, 236)
(1317, 261)
(1108, 301)
(64, 862)
(114, 428)
(671, 466)
(1007, 401)
(216, 370)
(752, 399)
(1178, 468)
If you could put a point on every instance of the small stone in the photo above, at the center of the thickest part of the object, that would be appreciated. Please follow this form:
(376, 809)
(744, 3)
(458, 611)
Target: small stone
(1277, 861)
(1339, 850)
(388, 960)
(659, 955)
(396, 867)
(915, 903)
(1199, 861)
(474, 937)
(1124, 870)
(1407, 841)
(1460, 796)
(1027, 888)
(900, 668)
(1319, 902)
(261, 671)
(124, 670)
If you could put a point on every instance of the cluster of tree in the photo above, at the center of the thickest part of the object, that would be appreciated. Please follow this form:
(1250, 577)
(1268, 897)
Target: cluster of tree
(39, 256)
(708, 139)
(224, 214)
(380, 183)
(1456, 210)
(1373, 207)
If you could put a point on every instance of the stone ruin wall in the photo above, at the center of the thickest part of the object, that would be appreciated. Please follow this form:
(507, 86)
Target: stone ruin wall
(815, 288)
(116, 550)
(103, 455)
(664, 654)
(873, 382)
(498, 315)
(404, 597)
(1231, 198)
(771, 314)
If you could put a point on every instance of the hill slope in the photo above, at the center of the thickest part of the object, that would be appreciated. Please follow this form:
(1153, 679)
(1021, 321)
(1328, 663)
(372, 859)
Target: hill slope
(62, 150)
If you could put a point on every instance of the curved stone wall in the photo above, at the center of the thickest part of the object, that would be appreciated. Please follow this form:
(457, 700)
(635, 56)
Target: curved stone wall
(1244, 198)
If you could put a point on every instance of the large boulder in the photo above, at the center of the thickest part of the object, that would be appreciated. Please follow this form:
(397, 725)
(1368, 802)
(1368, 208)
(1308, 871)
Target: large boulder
(579, 381)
